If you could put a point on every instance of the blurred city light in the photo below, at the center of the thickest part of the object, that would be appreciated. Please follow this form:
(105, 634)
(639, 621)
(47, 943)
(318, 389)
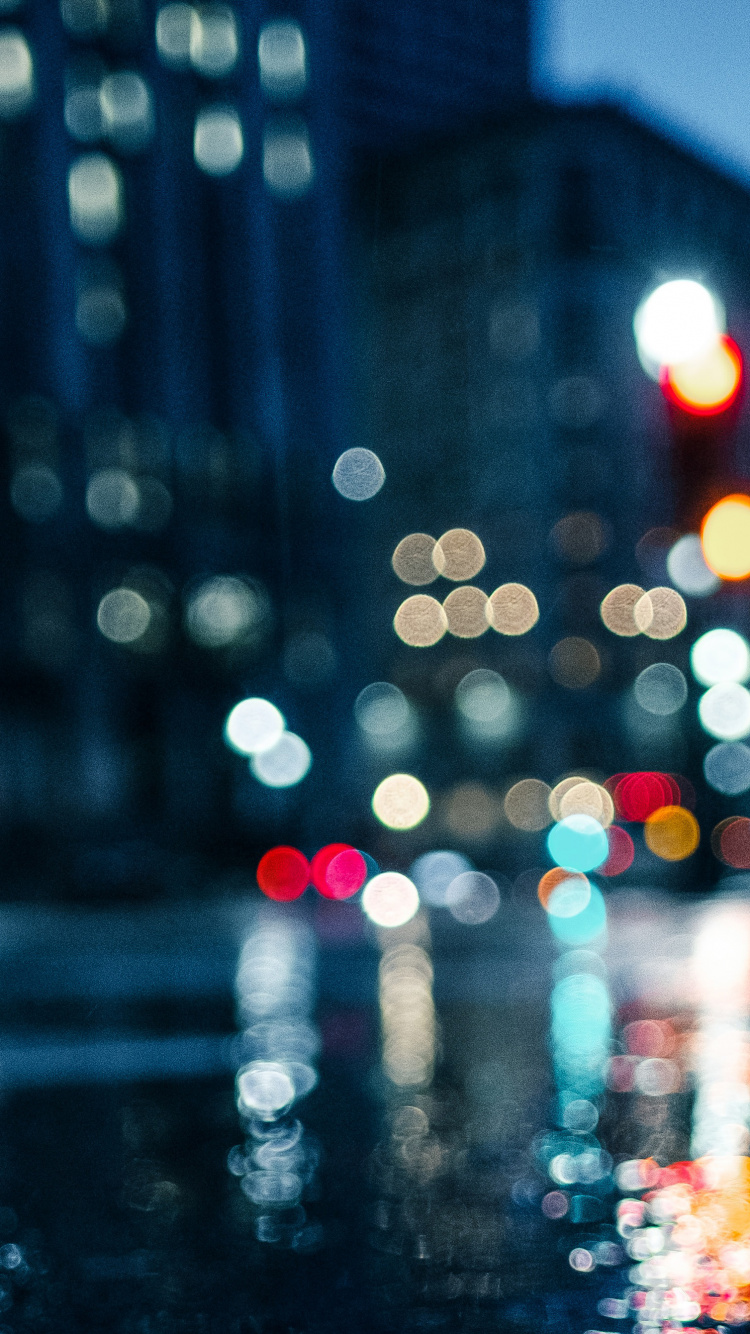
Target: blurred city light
(218, 141)
(283, 874)
(434, 872)
(720, 655)
(707, 385)
(458, 555)
(724, 711)
(578, 842)
(282, 60)
(284, 764)
(123, 616)
(661, 689)
(400, 801)
(467, 612)
(680, 321)
(726, 768)
(417, 559)
(420, 621)
(390, 899)
(725, 537)
(512, 609)
(472, 898)
(672, 833)
(253, 725)
(338, 871)
(288, 168)
(16, 74)
(688, 570)
(95, 199)
(358, 474)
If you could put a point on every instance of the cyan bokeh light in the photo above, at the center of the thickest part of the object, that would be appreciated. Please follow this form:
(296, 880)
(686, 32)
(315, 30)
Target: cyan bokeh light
(578, 843)
(585, 926)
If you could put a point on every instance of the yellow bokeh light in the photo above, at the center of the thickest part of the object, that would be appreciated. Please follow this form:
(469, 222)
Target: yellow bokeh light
(512, 609)
(415, 559)
(661, 613)
(420, 621)
(725, 537)
(574, 663)
(672, 833)
(708, 383)
(400, 801)
(558, 792)
(458, 555)
(525, 805)
(466, 611)
(618, 607)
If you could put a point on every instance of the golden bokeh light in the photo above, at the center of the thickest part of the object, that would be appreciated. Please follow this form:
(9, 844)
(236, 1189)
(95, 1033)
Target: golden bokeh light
(558, 792)
(466, 610)
(472, 811)
(512, 609)
(407, 1015)
(587, 798)
(725, 537)
(458, 555)
(580, 537)
(400, 801)
(709, 383)
(672, 833)
(574, 663)
(552, 880)
(420, 621)
(415, 560)
(661, 613)
(617, 610)
(526, 805)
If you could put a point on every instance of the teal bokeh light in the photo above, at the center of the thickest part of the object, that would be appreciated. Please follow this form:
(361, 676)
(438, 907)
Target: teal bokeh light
(585, 926)
(578, 843)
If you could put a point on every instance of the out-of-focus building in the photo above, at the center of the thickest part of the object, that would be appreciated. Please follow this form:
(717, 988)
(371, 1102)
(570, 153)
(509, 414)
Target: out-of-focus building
(175, 384)
(501, 271)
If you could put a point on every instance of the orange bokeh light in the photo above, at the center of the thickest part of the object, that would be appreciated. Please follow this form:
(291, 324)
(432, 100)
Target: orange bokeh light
(709, 385)
(725, 537)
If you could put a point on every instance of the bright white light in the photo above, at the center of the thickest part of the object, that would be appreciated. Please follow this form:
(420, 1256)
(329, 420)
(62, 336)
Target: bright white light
(724, 711)
(95, 199)
(720, 655)
(282, 60)
(688, 570)
(287, 159)
(16, 74)
(218, 143)
(390, 899)
(679, 321)
(123, 616)
(264, 1088)
(254, 725)
(283, 765)
(358, 474)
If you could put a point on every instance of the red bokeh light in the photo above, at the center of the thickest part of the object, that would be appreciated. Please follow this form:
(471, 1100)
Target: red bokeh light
(283, 874)
(731, 842)
(638, 795)
(621, 851)
(338, 871)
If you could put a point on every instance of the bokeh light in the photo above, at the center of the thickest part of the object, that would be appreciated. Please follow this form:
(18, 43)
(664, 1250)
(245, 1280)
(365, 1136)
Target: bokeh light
(458, 555)
(559, 790)
(569, 897)
(283, 874)
(282, 60)
(390, 899)
(284, 764)
(358, 474)
(724, 711)
(123, 616)
(672, 833)
(725, 537)
(580, 538)
(512, 609)
(578, 842)
(112, 498)
(16, 73)
(731, 842)
(525, 804)
(264, 1089)
(416, 560)
(382, 710)
(707, 385)
(288, 167)
(253, 725)
(560, 875)
(95, 199)
(679, 321)
(574, 663)
(483, 697)
(472, 898)
(661, 689)
(637, 795)
(581, 929)
(621, 852)
(338, 871)
(688, 570)
(720, 655)
(407, 1014)
(433, 872)
(223, 610)
(618, 607)
(726, 768)
(661, 613)
(218, 141)
(582, 797)
(420, 621)
(400, 801)
(466, 611)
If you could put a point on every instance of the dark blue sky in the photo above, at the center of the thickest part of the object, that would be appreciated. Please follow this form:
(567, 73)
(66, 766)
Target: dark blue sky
(684, 63)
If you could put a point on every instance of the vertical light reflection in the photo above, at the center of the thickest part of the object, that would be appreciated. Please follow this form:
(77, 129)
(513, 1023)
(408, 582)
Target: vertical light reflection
(275, 990)
(407, 1014)
(721, 963)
